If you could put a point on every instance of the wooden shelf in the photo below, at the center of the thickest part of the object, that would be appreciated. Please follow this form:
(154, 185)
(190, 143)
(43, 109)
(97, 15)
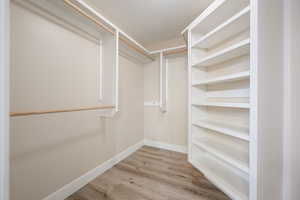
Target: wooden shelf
(233, 26)
(227, 78)
(222, 104)
(234, 51)
(225, 152)
(222, 176)
(238, 132)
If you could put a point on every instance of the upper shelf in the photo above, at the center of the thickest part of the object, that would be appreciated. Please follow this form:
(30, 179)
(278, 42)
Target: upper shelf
(86, 22)
(233, 26)
(218, 12)
(234, 51)
(58, 12)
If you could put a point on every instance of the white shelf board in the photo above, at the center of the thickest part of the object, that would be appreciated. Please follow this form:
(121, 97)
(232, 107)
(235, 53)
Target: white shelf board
(234, 131)
(237, 188)
(233, 26)
(238, 159)
(215, 14)
(234, 51)
(227, 78)
(232, 93)
(223, 104)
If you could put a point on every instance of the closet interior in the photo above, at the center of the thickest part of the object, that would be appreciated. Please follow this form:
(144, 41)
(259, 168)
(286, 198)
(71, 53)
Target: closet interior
(219, 112)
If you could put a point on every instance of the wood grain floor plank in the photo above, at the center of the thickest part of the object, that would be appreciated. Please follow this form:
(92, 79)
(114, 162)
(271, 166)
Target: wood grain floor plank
(144, 183)
(107, 184)
(88, 193)
(144, 162)
(179, 187)
(151, 174)
(163, 160)
(172, 176)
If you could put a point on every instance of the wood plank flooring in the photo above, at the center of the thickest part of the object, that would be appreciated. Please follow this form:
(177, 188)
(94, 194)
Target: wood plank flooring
(151, 174)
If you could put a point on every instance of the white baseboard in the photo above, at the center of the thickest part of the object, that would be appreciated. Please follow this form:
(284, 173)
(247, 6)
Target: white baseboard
(161, 145)
(81, 181)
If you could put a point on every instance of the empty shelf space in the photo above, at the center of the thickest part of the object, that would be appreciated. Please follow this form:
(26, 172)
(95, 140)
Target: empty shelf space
(234, 131)
(227, 78)
(233, 26)
(222, 176)
(222, 104)
(225, 152)
(231, 93)
(217, 13)
(234, 51)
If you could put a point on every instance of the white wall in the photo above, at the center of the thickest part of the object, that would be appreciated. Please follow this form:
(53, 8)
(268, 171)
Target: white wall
(4, 100)
(51, 67)
(292, 71)
(270, 98)
(169, 127)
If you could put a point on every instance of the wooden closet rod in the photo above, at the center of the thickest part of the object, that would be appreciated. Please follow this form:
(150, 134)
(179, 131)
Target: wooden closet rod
(122, 38)
(171, 50)
(15, 114)
(135, 47)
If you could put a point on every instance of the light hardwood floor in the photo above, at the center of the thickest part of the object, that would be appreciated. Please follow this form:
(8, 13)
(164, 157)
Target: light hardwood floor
(151, 174)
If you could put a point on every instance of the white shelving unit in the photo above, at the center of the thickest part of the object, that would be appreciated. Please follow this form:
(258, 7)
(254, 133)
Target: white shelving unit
(220, 72)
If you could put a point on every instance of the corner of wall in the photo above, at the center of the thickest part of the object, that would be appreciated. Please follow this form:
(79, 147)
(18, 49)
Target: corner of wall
(4, 99)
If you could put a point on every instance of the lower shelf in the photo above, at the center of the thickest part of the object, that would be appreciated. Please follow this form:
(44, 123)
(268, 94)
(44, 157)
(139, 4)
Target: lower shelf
(227, 153)
(220, 174)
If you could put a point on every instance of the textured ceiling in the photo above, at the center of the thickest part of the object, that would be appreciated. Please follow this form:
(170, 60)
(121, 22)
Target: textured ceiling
(151, 21)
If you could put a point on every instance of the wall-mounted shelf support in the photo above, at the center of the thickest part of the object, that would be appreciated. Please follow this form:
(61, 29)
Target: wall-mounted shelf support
(100, 70)
(163, 71)
(117, 73)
